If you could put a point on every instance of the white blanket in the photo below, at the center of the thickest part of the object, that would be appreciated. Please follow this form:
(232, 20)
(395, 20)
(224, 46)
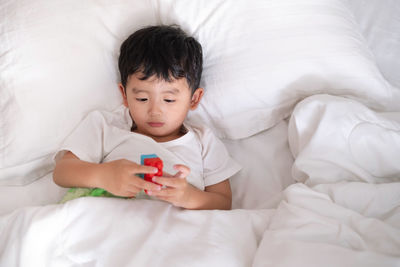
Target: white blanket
(349, 225)
(114, 232)
(349, 214)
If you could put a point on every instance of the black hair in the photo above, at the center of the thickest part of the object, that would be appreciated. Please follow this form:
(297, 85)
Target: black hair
(164, 51)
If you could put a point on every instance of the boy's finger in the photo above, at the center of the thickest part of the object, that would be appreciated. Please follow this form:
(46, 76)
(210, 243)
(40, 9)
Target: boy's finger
(168, 181)
(166, 175)
(145, 169)
(143, 184)
(180, 175)
(165, 193)
(183, 171)
(130, 194)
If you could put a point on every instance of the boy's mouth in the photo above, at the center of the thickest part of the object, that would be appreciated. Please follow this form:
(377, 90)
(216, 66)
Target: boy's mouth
(155, 124)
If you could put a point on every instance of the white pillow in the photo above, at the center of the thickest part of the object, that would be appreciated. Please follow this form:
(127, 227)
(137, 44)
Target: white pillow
(57, 62)
(380, 24)
(263, 56)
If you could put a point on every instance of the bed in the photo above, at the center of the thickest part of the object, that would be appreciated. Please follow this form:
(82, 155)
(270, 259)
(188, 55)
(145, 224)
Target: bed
(305, 95)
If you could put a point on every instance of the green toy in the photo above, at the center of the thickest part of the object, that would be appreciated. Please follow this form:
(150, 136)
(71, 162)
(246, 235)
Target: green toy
(77, 192)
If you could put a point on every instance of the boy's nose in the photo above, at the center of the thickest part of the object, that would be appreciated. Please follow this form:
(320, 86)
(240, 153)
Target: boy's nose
(155, 109)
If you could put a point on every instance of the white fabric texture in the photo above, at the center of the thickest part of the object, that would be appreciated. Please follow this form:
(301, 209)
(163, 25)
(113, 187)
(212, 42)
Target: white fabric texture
(59, 63)
(363, 145)
(348, 211)
(105, 136)
(266, 168)
(114, 232)
(379, 22)
(349, 224)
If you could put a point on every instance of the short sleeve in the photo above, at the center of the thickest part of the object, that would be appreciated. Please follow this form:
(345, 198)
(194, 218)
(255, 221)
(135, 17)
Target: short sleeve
(86, 141)
(217, 163)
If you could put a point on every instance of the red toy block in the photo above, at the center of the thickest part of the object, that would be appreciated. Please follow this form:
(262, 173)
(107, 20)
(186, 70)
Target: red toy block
(154, 162)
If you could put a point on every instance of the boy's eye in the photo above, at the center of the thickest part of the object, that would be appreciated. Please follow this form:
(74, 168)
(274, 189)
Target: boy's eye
(169, 100)
(141, 99)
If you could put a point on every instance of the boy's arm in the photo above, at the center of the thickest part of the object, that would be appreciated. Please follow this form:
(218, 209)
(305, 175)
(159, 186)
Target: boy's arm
(117, 177)
(217, 196)
(70, 171)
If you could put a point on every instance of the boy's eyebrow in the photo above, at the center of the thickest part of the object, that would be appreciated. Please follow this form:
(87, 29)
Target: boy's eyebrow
(171, 91)
(136, 90)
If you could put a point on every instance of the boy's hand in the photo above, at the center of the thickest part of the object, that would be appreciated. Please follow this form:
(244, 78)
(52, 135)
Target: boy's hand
(120, 178)
(178, 190)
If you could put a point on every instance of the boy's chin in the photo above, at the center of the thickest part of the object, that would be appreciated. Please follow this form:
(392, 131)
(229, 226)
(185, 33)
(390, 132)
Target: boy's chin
(165, 137)
(160, 134)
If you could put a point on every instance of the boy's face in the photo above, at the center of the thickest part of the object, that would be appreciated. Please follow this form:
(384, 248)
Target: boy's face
(158, 107)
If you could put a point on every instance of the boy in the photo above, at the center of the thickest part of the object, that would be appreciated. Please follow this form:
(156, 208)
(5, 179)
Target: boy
(160, 68)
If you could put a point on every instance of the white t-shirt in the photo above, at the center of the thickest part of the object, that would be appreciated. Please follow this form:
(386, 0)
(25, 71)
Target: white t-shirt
(106, 136)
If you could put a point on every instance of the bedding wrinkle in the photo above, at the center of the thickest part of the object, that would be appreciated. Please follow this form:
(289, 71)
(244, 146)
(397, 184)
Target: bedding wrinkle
(218, 8)
(316, 228)
(379, 201)
(367, 139)
(377, 235)
(328, 221)
(35, 224)
(380, 24)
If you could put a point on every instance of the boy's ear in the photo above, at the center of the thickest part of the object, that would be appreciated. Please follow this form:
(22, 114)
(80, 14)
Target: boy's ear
(122, 90)
(196, 97)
